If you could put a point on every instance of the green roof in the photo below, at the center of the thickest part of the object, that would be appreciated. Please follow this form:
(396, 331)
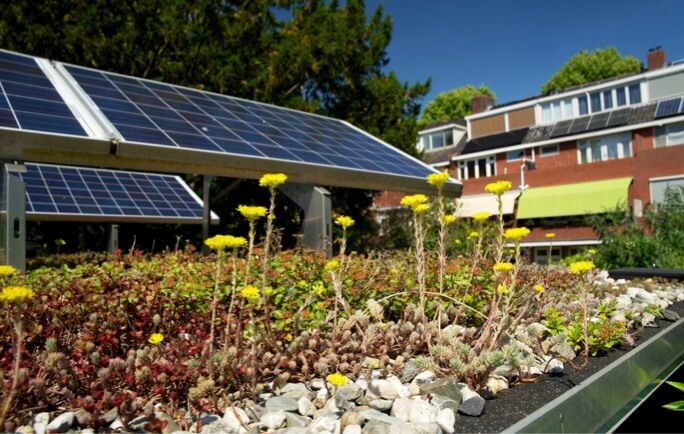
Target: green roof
(593, 197)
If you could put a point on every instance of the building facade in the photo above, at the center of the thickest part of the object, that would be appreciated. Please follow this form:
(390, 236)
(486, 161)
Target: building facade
(581, 151)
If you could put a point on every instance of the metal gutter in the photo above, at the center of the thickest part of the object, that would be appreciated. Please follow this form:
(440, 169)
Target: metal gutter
(603, 401)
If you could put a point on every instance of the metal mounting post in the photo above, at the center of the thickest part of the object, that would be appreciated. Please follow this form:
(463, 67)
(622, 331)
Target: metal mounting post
(317, 225)
(13, 217)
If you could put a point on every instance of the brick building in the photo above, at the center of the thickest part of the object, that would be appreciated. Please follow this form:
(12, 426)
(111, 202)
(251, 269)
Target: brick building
(583, 150)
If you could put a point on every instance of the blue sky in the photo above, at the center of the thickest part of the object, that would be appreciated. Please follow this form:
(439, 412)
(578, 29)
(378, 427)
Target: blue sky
(515, 46)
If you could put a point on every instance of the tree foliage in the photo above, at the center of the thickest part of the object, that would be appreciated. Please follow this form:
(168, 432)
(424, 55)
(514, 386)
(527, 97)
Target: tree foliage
(585, 67)
(311, 55)
(453, 104)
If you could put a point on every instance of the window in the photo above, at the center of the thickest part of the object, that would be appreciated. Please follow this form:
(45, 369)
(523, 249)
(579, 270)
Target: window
(437, 140)
(583, 107)
(595, 102)
(556, 110)
(480, 168)
(608, 99)
(605, 148)
(542, 255)
(634, 93)
(514, 155)
(621, 98)
(669, 135)
(548, 150)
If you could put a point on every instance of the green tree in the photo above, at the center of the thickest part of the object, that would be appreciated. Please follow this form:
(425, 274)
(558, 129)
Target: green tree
(453, 104)
(585, 67)
(311, 55)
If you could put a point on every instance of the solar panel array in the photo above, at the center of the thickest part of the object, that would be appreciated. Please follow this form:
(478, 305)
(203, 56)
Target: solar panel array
(592, 122)
(670, 107)
(29, 101)
(99, 194)
(156, 113)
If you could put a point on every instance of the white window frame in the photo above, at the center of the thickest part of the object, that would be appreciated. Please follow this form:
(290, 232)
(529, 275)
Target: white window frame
(515, 155)
(550, 150)
(490, 168)
(669, 135)
(604, 148)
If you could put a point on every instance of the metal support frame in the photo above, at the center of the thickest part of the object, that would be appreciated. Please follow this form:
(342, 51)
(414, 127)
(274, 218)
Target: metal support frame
(317, 225)
(113, 237)
(13, 217)
(206, 211)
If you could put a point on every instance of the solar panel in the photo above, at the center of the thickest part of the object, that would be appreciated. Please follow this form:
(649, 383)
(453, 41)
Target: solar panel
(77, 193)
(29, 101)
(619, 117)
(598, 121)
(561, 128)
(155, 113)
(579, 125)
(668, 107)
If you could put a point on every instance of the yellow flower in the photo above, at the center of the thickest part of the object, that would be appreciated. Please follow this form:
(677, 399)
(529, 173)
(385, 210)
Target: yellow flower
(222, 242)
(332, 266)
(499, 187)
(516, 234)
(591, 251)
(503, 266)
(156, 338)
(318, 288)
(438, 179)
(16, 294)
(457, 241)
(252, 213)
(502, 289)
(250, 292)
(473, 234)
(344, 221)
(272, 180)
(60, 242)
(449, 219)
(414, 200)
(538, 288)
(337, 379)
(550, 235)
(7, 270)
(581, 267)
(481, 216)
(421, 208)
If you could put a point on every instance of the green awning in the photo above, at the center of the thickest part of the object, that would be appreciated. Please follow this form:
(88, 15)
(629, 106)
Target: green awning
(574, 199)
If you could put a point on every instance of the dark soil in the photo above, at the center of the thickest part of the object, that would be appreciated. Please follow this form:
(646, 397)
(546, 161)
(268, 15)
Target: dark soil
(512, 405)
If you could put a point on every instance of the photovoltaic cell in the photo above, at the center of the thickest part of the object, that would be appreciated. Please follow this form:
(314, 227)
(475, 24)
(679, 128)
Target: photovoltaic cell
(98, 194)
(598, 121)
(619, 117)
(157, 113)
(579, 125)
(29, 101)
(668, 107)
(561, 128)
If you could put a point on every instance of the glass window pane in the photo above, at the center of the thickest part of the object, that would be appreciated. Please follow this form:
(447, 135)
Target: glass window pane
(608, 99)
(546, 113)
(514, 155)
(567, 109)
(621, 97)
(634, 93)
(556, 110)
(583, 108)
(437, 140)
(449, 134)
(548, 150)
(675, 134)
(471, 169)
(595, 102)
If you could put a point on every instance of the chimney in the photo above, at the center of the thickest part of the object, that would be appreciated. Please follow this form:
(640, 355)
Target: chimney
(481, 103)
(655, 58)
